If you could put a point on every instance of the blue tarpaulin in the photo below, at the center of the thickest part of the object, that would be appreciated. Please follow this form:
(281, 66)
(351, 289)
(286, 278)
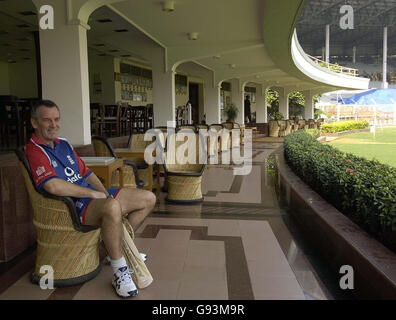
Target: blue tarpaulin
(370, 97)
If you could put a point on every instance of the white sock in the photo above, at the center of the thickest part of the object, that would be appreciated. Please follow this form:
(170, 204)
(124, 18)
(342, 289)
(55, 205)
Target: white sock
(117, 264)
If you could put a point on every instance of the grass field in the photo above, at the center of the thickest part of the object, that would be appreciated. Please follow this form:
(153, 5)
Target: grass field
(381, 147)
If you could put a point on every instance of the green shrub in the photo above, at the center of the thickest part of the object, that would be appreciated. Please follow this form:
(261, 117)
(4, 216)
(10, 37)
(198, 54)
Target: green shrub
(344, 126)
(314, 133)
(364, 190)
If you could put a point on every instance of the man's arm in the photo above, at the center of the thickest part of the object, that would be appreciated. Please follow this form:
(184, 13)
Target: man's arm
(94, 181)
(59, 187)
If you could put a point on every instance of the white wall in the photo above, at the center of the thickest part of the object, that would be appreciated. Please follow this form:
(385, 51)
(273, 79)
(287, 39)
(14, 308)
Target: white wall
(4, 79)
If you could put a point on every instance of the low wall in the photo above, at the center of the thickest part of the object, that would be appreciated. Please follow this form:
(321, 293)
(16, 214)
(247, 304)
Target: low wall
(17, 232)
(341, 242)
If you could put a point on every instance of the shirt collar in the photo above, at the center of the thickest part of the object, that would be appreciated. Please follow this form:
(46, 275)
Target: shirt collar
(38, 141)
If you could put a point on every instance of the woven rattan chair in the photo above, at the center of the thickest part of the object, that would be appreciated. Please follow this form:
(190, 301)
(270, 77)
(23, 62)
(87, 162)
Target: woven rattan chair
(70, 248)
(311, 124)
(274, 127)
(302, 124)
(186, 126)
(130, 170)
(289, 127)
(242, 129)
(184, 180)
(215, 145)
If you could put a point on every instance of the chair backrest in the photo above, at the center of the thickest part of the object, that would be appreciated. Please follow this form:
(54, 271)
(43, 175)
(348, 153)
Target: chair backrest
(189, 143)
(102, 147)
(186, 126)
(136, 141)
(44, 204)
(216, 126)
(228, 125)
(202, 126)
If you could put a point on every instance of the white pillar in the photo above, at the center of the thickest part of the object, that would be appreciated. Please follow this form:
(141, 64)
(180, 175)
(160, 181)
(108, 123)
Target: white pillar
(261, 104)
(163, 95)
(309, 111)
(284, 102)
(327, 43)
(237, 97)
(354, 55)
(64, 69)
(385, 59)
(338, 112)
(212, 103)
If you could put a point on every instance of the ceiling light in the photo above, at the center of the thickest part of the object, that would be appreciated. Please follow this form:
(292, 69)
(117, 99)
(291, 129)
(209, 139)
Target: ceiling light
(168, 6)
(193, 36)
(232, 65)
(217, 56)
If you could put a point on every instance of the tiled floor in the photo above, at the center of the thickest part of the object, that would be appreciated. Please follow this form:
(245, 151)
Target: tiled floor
(234, 245)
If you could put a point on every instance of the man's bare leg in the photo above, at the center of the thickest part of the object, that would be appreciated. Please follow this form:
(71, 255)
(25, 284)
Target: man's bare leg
(136, 204)
(107, 214)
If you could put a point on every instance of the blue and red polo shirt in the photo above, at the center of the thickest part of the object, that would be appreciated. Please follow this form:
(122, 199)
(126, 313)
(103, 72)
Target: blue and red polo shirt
(59, 162)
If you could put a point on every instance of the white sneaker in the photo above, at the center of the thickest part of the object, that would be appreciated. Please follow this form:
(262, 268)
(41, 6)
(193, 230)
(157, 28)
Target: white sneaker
(123, 283)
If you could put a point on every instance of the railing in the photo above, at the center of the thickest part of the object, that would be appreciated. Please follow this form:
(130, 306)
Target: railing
(335, 67)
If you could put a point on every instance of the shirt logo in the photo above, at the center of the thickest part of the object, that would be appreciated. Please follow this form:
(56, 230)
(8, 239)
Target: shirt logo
(54, 164)
(40, 171)
(72, 177)
(70, 159)
(69, 171)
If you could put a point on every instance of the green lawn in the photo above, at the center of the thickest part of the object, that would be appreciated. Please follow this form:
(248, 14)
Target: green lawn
(381, 147)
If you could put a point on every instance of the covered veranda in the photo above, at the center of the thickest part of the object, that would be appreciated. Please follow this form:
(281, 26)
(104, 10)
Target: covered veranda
(118, 68)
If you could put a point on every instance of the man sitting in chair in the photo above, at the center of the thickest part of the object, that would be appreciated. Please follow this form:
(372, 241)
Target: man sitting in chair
(57, 169)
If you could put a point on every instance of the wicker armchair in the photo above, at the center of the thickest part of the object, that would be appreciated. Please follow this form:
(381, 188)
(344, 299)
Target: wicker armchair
(184, 180)
(274, 128)
(215, 145)
(186, 126)
(289, 127)
(63, 243)
(311, 124)
(302, 124)
(131, 175)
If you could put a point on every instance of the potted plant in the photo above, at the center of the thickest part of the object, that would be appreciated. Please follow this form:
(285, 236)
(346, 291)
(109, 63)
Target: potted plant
(231, 112)
(277, 116)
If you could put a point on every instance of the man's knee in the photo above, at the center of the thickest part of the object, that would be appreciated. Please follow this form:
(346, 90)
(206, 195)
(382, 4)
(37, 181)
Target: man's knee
(112, 210)
(150, 199)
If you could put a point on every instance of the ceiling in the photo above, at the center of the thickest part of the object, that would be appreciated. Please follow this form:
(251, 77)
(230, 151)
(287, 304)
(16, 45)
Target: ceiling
(370, 17)
(230, 35)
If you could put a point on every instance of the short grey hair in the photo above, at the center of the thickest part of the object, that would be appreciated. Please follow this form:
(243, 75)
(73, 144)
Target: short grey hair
(42, 103)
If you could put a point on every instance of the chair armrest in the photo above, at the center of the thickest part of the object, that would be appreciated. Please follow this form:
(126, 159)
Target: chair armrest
(139, 183)
(78, 226)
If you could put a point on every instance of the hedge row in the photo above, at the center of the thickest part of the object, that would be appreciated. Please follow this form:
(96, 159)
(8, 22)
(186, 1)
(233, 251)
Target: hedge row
(344, 126)
(361, 189)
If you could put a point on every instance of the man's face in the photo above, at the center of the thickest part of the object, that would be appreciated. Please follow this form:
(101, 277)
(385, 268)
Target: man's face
(47, 124)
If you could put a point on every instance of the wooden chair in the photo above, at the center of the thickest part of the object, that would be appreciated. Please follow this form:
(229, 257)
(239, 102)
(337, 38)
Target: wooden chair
(214, 144)
(70, 248)
(131, 175)
(108, 120)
